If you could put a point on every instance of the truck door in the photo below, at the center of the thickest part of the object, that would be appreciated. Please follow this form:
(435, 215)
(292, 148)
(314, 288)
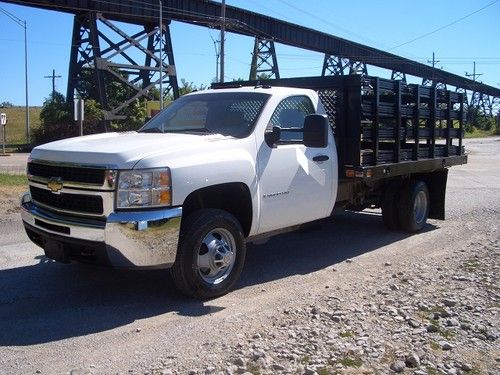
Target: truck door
(295, 182)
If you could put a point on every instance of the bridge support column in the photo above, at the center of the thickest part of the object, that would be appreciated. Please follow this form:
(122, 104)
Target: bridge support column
(103, 67)
(397, 75)
(264, 60)
(339, 66)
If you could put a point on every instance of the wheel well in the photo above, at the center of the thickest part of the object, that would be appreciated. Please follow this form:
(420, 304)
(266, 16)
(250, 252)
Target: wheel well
(232, 197)
(436, 184)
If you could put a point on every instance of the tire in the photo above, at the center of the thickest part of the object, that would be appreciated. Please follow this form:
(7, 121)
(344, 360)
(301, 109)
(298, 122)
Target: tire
(390, 206)
(414, 206)
(211, 254)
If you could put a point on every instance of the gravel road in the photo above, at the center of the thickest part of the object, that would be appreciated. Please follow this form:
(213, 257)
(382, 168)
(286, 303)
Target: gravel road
(342, 296)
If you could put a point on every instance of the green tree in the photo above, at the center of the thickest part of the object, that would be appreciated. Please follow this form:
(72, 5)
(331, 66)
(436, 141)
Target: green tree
(117, 92)
(6, 105)
(55, 110)
(479, 120)
(187, 87)
(57, 121)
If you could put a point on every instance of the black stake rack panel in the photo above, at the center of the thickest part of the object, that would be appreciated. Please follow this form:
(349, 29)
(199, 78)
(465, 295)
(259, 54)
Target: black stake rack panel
(386, 126)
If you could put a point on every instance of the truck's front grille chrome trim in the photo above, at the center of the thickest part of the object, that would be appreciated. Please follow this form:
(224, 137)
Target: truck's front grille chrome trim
(91, 177)
(89, 204)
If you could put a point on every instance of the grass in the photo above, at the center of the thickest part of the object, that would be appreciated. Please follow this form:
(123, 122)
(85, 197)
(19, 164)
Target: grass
(435, 346)
(346, 334)
(13, 180)
(324, 371)
(478, 133)
(351, 362)
(471, 265)
(253, 368)
(431, 370)
(15, 132)
(447, 334)
(305, 360)
(347, 361)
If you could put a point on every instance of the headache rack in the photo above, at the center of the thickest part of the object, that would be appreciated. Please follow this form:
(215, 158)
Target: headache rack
(386, 127)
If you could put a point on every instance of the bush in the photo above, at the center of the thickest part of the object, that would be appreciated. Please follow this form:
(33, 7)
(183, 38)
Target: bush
(57, 120)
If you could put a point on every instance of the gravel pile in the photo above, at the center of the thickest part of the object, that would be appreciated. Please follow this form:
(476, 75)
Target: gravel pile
(425, 316)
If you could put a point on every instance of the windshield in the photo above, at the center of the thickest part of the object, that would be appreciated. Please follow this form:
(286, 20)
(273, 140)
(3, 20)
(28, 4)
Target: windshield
(232, 114)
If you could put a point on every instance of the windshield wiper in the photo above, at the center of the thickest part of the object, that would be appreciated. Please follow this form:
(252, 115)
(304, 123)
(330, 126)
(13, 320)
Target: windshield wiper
(196, 130)
(151, 130)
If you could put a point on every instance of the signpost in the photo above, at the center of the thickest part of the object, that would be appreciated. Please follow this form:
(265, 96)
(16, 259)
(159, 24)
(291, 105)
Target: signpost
(3, 123)
(79, 113)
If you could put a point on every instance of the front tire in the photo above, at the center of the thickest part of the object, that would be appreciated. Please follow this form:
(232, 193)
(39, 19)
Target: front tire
(211, 254)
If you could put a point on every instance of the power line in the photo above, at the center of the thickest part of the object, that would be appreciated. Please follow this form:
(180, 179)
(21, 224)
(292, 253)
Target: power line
(17, 20)
(445, 26)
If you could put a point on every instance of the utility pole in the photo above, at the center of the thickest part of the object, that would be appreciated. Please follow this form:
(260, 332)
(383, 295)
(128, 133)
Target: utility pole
(53, 77)
(161, 55)
(24, 25)
(217, 55)
(434, 61)
(222, 32)
(475, 100)
(474, 75)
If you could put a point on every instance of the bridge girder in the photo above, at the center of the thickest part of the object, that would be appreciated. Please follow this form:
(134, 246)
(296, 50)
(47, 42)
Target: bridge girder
(241, 21)
(244, 22)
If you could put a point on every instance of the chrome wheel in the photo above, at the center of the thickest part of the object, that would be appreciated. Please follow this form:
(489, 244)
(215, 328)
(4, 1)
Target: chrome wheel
(216, 256)
(420, 207)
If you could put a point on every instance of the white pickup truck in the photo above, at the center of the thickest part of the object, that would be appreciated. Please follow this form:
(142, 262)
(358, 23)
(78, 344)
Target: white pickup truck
(239, 163)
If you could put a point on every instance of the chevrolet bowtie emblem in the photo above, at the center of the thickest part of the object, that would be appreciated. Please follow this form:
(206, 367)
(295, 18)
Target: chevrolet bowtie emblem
(55, 184)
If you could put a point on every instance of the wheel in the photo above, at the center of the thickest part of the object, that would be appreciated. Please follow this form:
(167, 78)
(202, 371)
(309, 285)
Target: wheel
(211, 254)
(414, 206)
(389, 204)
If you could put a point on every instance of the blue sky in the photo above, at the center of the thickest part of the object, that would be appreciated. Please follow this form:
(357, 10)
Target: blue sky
(380, 24)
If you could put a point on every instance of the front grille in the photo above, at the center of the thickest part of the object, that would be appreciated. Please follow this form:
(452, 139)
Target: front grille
(94, 176)
(91, 204)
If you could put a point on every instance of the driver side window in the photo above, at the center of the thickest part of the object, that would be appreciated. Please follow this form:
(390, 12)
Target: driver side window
(289, 115)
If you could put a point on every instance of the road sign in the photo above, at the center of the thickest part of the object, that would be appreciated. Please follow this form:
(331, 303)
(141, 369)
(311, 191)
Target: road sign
(79, 110)
(3, 122)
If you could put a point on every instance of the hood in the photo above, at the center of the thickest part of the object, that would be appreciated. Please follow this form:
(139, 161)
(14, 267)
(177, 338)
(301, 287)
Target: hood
(121, 150)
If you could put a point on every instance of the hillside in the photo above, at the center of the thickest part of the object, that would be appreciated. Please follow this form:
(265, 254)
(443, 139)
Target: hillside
(16, 126)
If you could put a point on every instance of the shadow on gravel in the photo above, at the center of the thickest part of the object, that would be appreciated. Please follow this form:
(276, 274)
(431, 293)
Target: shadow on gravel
(317, 246)
(49, 301)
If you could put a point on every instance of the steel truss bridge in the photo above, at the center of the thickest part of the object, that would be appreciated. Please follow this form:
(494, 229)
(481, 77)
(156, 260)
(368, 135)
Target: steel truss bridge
(101, 50)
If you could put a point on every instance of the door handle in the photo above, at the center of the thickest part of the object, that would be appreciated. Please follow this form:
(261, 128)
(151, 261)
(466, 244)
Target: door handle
(321, 158)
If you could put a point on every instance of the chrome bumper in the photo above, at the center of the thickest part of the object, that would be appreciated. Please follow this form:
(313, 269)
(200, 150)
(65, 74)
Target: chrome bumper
(131, 239)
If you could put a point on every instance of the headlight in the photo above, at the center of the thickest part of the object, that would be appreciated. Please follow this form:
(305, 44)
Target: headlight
(144, 188)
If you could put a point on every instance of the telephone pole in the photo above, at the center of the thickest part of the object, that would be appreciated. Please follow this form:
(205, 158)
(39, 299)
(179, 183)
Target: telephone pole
(474, 75)
(161, 54)
(24, 25)
(53, 77)
(222, 32)
(434, 61)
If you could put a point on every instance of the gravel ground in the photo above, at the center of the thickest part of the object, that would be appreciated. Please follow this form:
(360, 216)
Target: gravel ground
(437, 315)
(10, 196)
(342, 297)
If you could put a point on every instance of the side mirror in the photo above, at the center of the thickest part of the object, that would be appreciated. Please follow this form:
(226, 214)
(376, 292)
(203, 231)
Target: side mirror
(273, 137)
(316, 131)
